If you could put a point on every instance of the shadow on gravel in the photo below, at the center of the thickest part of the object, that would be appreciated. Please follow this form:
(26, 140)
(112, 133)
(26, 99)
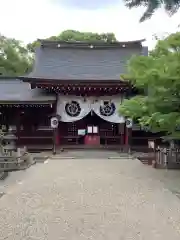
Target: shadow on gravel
(176, 193)
(1, 194)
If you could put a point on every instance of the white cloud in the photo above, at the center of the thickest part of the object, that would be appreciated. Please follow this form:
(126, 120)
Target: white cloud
(28, 20)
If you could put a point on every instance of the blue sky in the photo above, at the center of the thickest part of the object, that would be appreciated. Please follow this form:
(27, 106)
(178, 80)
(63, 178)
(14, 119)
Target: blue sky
(27, 20)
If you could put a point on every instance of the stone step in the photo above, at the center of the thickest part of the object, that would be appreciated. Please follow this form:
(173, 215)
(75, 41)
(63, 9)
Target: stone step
(89, 156)
(146, 161)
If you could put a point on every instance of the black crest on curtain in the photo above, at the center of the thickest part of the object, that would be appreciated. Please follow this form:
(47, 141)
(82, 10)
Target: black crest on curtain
(73, 109)
(107, 109)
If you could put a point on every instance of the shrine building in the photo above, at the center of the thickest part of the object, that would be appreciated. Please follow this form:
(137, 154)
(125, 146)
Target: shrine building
(80, 83)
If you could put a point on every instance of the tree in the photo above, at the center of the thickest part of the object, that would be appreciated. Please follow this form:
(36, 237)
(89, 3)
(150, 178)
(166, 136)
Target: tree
(15, 59)
(158, 76)
(73, 35)
(170, 6)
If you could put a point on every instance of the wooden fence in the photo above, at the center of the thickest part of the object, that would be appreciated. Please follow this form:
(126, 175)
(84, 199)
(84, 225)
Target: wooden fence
(167, 158)
(16, 161)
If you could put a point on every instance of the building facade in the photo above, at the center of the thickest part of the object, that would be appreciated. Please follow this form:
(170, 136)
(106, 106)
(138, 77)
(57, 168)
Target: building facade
(80, 83)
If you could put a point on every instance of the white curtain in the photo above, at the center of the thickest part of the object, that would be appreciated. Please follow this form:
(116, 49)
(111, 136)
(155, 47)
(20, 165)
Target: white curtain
(63, 101)
(88, 104)
(116, 101)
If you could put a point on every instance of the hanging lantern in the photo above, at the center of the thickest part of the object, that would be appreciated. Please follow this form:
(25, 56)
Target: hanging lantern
(54, 122)
(129, 123)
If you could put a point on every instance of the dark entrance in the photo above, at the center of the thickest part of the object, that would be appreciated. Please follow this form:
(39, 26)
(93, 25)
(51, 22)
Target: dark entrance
(108, 133)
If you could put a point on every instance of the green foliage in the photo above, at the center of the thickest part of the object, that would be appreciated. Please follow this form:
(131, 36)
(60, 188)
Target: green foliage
(73, 35)
(159, 76)
(14, 57)
(170, 6)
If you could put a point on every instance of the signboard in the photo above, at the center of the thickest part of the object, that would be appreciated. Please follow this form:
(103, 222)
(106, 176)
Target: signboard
(54, 122)
(89, 129)
(95, 129)
(92, 129)
(151, 144)
(81, 132)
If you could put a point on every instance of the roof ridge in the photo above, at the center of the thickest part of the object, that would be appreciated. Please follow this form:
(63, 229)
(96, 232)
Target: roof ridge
(89, 44)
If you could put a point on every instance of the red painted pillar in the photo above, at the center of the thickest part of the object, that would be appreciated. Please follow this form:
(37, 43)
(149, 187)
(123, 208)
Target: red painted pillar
(57, 137)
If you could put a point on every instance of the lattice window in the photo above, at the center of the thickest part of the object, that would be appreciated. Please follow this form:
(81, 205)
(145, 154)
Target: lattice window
(108, 129)
(72, 129)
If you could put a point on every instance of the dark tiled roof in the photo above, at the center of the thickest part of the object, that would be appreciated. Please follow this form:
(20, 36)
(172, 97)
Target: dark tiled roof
(83, 63)
(14, 90)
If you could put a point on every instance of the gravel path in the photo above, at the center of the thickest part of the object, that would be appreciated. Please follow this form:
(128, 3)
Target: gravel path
(89, 199)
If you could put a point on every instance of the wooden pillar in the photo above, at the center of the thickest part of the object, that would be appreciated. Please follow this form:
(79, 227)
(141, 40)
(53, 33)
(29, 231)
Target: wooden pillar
(57, 137)
(18, 125)
(54, 141)
(54, 126)
(2, 117)
(128, 139)
(7, 118)
(121, 133)
(58, 133)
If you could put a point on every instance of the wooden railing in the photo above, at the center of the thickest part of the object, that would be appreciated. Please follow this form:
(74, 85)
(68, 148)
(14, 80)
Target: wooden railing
(41, 138)
(69, 140)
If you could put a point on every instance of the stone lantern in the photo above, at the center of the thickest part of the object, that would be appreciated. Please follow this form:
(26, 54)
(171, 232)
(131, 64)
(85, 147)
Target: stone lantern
(10, 142)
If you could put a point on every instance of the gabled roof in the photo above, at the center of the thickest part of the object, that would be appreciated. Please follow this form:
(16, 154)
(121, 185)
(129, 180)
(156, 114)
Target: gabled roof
(83, 61)
(14, 90)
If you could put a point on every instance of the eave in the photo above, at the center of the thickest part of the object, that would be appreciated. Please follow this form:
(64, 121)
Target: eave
(48, 81)
(25, 104)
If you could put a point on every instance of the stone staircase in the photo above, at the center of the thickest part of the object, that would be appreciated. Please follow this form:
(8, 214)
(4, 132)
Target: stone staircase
(145, 158)
(90, 154)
